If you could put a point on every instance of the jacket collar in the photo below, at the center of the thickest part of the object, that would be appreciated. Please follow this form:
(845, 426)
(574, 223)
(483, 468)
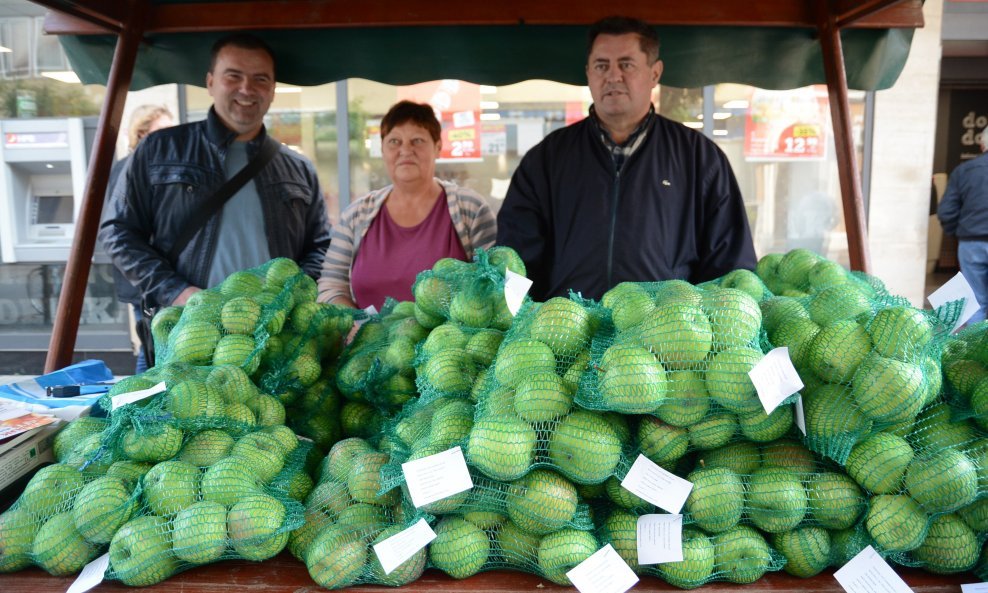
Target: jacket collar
(222, 136)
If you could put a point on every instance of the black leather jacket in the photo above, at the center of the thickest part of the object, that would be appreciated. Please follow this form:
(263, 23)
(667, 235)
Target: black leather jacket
(170, 174)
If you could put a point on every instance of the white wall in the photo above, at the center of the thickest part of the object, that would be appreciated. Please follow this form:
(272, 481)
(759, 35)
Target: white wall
(902, 164)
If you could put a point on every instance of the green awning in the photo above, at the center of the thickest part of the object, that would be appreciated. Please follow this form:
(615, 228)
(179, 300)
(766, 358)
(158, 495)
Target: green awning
(764, 57)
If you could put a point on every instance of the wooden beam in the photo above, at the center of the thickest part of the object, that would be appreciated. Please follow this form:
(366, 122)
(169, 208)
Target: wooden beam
(59, 23)
(108, 15)
(840, 110)
(310, 14)
(849, 12)
(66, 325)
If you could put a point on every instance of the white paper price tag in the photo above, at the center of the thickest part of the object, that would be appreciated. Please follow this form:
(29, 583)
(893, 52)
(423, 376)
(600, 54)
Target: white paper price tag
(401, 546)
(91, 575)
(800, 414)
(516, 287)
(603, 572)
(868, 572)
(660, 539)
(955, 289)
(370, 310)
(135, 396)
(974, 588)
(775, 378)
(437, 476)
(656, 485)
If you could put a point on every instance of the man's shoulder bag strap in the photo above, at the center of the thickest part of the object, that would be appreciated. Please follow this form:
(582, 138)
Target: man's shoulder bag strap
(215, 202)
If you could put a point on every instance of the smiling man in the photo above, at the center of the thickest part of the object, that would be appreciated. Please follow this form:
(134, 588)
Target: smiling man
(278, 212)
(625, 194)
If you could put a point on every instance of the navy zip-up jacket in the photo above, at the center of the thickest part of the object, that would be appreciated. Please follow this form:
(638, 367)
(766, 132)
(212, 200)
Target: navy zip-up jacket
(674, 210)
(963, 211)
(171, 173)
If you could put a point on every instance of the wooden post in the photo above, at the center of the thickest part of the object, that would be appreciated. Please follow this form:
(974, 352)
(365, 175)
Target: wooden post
(840, 112)
(66, 328)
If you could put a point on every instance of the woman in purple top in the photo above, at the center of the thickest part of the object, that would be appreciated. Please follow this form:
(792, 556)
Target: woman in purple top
(388, 236)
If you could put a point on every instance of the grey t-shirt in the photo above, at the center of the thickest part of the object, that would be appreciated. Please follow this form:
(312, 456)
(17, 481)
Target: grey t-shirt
(242, 241)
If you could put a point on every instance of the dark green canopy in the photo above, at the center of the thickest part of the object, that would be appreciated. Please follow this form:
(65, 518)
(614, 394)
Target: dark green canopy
(764, 57)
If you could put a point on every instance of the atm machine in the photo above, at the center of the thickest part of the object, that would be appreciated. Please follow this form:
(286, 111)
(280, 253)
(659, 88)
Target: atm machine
(42, 179)
(41, 184)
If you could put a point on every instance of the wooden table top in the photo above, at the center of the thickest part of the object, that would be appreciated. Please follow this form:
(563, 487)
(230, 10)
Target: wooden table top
(284, 574)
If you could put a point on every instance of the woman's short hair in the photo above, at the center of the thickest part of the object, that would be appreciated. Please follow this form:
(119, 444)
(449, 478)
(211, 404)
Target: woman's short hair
(419, 114)
(141, 121)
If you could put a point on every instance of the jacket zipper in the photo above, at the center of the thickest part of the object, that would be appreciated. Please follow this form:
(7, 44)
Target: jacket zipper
(616, 192)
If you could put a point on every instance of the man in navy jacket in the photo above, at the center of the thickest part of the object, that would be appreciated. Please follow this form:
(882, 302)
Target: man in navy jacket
(625, 194)
(964, 212)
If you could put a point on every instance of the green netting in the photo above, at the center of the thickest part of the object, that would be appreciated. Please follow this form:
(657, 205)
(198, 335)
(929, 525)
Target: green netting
(215, 498)
(263, 320)
(965, 367)
(739, 554)
(468, 294)
(801, 272)
(465, 307)
(868, 363)
(424, 428)
(743, 280)
(377, 366)
(525, 410)
(950, 546)
(348, 512)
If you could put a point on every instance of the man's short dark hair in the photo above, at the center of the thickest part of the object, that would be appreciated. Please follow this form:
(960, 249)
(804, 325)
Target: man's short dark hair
(419, 114)
(243, 41)
(622, 25)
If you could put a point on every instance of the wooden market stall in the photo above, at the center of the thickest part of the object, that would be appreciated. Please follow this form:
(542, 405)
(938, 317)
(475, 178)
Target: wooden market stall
(773, 43)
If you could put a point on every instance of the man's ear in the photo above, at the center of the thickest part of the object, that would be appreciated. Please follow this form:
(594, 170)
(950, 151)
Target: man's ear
(656, 71)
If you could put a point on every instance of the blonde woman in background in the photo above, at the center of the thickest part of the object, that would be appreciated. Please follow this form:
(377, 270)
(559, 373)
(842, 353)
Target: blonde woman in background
(144, 120)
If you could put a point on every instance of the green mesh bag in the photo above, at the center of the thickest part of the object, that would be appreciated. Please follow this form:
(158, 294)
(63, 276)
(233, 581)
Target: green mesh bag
(744, 280)
(706, 339)
(316, 414)
(465, 293)
(526, 415)
(346, 513)
(450, 361)
(424, 428)
(229, 324)
(936, 469)
(40, 528)
(464, 306)
(264, 320)
(965, 366)
(868, 364)
(739, 554)
(243, 505)
(801, 272)
(377, 366)
(465, 547)
(950, 546)
(157, 517)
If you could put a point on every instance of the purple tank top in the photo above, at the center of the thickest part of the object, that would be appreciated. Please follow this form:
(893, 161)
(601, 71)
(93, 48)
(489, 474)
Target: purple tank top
(390, 255)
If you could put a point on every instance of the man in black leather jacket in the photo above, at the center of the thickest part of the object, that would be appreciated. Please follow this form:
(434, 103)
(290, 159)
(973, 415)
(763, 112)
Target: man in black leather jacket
(279, 213)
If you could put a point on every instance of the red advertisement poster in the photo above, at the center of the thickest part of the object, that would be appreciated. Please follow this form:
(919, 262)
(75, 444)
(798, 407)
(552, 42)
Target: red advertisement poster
(457, 106)
(787, 125)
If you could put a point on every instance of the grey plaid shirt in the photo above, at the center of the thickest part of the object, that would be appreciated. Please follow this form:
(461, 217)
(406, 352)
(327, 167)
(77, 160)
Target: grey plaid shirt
(620, 153)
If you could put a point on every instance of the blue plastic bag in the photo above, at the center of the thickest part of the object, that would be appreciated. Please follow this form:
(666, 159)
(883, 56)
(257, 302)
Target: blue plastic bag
(93, 377)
